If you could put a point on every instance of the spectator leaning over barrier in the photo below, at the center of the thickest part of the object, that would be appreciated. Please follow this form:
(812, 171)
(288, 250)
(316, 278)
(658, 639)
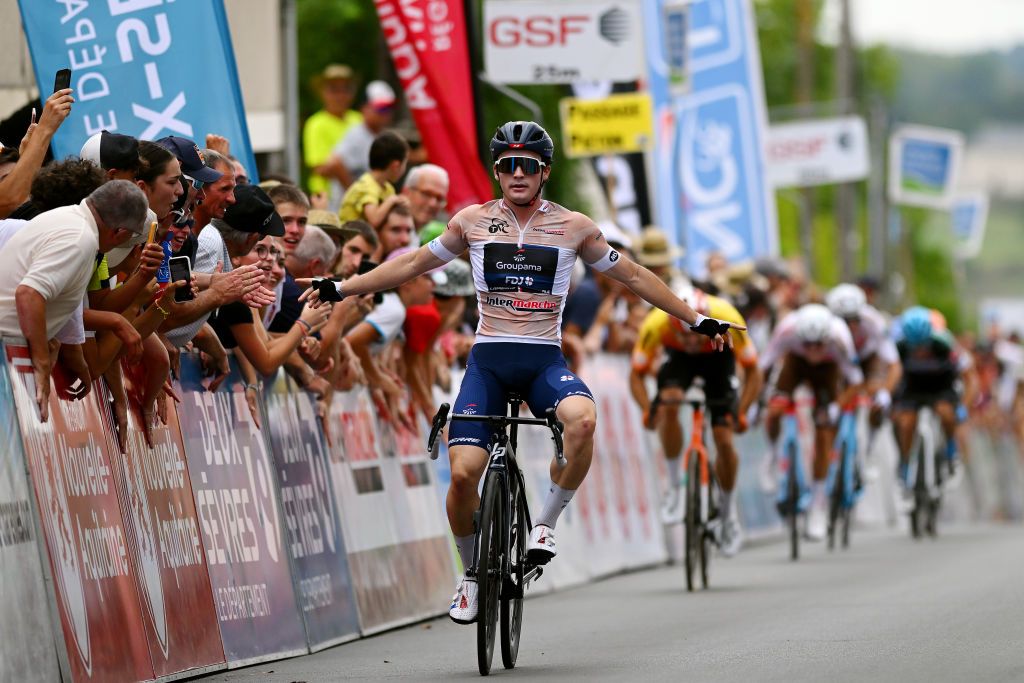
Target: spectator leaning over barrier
(396, 232)
(14, 187)
(354, 250)
(426, 186)
(378, 112)
(116, 154)
(324, 129)
(293, 206)
(371, 197)
(45, 269)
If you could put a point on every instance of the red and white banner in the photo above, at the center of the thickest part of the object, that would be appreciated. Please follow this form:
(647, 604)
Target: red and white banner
(427, 39)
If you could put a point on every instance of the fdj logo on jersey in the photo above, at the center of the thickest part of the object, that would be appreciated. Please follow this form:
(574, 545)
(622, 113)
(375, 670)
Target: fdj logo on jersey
(498, 225)
(531, 268)
(724, 209)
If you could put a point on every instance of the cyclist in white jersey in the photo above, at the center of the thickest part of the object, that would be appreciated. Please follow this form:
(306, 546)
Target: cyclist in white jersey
(522, 249)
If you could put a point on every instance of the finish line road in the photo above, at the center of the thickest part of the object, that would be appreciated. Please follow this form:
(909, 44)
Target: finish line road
(887, 609)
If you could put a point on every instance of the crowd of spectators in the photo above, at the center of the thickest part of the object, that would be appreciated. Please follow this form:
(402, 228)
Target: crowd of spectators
(86, 242)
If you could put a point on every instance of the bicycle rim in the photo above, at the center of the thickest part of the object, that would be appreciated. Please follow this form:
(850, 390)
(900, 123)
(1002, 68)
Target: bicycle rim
(489, 572)
(793, 490)
(512, 608)
(692, 521)
(835, 507)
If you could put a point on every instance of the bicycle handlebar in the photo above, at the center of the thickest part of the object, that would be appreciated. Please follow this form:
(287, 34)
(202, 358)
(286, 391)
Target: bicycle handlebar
(500, 422)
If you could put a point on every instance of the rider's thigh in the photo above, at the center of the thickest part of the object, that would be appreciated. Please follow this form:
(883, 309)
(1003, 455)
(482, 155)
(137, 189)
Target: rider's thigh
(467, 465)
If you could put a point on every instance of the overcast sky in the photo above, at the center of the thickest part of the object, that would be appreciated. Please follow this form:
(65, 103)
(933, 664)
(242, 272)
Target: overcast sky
(936, 25)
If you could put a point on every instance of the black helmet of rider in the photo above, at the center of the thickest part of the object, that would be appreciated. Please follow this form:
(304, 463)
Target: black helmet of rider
(525, 135)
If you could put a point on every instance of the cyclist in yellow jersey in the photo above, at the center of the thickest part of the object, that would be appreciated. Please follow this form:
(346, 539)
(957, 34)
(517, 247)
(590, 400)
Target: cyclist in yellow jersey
(689, 355)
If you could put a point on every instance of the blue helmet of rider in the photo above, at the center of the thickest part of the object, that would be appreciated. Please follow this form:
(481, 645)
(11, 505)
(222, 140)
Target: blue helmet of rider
(917, 325)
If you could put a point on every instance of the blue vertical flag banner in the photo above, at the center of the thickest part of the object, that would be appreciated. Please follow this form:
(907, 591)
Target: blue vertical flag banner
(147, 68)
(711, 190)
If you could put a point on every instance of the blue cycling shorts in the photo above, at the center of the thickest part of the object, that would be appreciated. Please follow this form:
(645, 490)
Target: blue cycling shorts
(537, 372)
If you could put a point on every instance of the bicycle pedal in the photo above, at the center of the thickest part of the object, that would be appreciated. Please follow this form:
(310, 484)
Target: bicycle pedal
(538, 557)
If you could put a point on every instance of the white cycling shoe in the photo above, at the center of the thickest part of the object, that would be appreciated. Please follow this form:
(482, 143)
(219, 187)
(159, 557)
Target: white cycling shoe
(672, 506)
(466, 601)
(767, 473)
(541, 548)
(817, 524)
(730, 537)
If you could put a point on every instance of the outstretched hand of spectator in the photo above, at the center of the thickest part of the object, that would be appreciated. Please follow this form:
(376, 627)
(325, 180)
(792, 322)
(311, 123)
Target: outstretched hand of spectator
(233, 286)
(56, 110)
(218, 143)
(150, 260)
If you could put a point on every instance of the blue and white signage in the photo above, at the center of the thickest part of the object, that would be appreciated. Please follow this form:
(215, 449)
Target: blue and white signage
(969, 214)
(712, 193)
(923, 166)
(147, 68)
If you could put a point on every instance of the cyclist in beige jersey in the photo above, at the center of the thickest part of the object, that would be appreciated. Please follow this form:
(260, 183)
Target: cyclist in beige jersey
(522, 249)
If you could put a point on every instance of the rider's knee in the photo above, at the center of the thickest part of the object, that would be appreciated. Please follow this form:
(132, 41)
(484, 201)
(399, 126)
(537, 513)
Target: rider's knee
(465, 475)
(722, 435)
(581, 422)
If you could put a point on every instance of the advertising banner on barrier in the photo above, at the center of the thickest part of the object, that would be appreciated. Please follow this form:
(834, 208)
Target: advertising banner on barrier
(126, 62)
(236, 495)
(712, 192)
(427, 40)
(165, 545)
(27, 650)
(395, 529)
(312, 525)
(93, 578)
(531, 41)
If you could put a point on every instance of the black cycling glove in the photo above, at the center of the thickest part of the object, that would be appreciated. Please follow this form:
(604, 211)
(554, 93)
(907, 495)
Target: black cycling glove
(709, 327)
(328, 290)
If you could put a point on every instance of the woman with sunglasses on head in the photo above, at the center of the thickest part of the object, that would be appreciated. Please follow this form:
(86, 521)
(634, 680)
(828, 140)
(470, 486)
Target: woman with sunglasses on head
(814, 347)
(522, 250)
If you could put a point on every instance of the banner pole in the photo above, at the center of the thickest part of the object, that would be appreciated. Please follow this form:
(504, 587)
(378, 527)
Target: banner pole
(472, 19)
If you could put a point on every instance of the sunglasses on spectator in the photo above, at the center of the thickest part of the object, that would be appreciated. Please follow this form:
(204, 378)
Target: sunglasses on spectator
(528, 165)
(263, 251)
(436, 196)
(196, 184)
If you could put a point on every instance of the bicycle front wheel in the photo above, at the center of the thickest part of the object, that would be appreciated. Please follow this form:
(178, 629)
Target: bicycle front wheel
(489, 570)
(793, 492)
(693, 528)
(513, 591)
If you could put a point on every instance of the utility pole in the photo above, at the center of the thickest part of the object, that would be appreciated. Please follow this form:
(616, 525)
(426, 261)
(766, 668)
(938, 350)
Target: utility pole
(845, 195)
(804, 95)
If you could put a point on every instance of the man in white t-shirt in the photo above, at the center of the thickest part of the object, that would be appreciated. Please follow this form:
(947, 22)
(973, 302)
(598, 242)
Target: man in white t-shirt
(45, 268)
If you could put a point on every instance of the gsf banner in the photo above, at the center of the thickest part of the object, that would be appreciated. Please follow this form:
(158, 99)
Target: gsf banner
(712, 192)
(134, 69)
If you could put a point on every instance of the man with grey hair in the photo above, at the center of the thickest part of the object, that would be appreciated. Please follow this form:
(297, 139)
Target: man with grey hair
(45, 268)
(426, 186)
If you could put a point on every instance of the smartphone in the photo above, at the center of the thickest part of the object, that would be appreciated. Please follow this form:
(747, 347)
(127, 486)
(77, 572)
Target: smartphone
(181, 269)
(62, 80)
(365, 266)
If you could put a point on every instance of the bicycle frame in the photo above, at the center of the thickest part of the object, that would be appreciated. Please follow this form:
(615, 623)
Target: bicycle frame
(698, 448)
(842, 468)
(927, 438)
(793, 466)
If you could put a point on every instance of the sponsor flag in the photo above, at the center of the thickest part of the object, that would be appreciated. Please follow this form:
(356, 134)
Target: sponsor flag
(428, 47)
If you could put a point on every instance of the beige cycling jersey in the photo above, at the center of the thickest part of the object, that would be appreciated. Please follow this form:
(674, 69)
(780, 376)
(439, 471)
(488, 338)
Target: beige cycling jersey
(521, 272)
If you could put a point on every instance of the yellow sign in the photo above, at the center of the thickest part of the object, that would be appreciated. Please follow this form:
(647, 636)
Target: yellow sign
(618, 124)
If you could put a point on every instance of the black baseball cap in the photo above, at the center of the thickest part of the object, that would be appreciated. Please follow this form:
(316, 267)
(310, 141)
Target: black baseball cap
(111, 151)
(253, 211)
(192, 162)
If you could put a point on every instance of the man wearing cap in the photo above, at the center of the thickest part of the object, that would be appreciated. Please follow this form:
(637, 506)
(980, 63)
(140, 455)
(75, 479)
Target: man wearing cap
(325, 129)
(353, 151)
(116, 154)
(426, 186)
(252, 212)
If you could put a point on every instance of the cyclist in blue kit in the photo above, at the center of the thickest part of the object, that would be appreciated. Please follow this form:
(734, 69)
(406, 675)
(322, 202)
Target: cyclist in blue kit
(522, 249)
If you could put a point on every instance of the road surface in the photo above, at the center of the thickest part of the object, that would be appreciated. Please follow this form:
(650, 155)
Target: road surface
(888, 609)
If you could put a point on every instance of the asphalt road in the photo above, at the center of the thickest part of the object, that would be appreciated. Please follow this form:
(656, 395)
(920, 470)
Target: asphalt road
(888, 609)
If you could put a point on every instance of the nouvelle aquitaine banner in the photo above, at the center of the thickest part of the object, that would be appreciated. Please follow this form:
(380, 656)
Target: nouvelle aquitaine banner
(94, 581)
(313, 535)
(165, 543)
(134, 70)
(397, 544)
(427, 39)
(236, 493)
(712, 193)
(27, 651)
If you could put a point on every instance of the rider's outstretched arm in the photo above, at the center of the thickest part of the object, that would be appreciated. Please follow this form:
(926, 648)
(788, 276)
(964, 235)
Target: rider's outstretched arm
(651, 289)
(386, 276)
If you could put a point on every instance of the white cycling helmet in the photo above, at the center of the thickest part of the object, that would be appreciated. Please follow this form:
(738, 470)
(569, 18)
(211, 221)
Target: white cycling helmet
(813, 323)
(846, 301)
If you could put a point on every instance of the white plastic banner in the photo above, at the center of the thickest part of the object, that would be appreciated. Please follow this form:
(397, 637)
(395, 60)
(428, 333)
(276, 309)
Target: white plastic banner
(531, 42)
(820, 152)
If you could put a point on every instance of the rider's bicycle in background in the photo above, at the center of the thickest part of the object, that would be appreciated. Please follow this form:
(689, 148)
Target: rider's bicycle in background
(844, 479)
(502, 526)
(794, 494)
(926, 473)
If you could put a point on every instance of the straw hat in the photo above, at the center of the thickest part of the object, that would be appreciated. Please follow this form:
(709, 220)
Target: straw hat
(654, 249)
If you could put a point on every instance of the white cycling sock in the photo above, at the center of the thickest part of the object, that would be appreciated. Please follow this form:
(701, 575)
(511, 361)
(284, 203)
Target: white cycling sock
(725, 506)
(556, 501)
(465, 547)
(818, 489)
(675, 471)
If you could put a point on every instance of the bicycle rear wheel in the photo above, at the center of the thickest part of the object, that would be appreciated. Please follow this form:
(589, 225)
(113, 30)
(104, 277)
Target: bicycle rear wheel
(513, 590)
(793, 493)
(705, 541)
(693, 530)
(835, 506)
(489, 570)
